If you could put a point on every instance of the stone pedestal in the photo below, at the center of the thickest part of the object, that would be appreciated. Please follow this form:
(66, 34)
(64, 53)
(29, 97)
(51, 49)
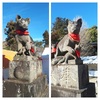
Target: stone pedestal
(70, 77)
(25, 78)
(25, 70)
(17, 88)
(89, 91)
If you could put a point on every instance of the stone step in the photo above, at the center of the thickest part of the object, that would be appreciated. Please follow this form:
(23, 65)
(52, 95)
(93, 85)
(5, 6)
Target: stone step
(17, 88)
(58, 91)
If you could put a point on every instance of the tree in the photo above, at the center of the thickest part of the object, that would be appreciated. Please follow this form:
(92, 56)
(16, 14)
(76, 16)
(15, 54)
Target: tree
(93, 34)
(46, 38)
(55, 38)
(38, 43)
(59, 29)
(10, 32)
(88, 36)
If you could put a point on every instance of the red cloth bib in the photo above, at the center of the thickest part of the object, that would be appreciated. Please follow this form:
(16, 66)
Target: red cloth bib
(53, 50)
(32, 50)
(77, 53)
(74, 37)
(22, 32)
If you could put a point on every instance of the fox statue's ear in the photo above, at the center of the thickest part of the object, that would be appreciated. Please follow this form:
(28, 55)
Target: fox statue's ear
(79, 21)
(18, 17)
(28, 19)
(67, 21)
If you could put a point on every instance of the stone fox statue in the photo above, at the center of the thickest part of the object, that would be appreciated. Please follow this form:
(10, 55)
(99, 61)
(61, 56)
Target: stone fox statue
(69, 48)
(25, 42)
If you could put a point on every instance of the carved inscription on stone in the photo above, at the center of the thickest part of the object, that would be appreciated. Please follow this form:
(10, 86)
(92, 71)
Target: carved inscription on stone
(69, 76)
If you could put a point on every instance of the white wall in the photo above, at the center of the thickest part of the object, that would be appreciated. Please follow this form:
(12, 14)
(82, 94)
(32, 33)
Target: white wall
(6, 73)
(45, 65)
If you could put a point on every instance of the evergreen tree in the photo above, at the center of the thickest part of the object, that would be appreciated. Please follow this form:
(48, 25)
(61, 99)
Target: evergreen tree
(10, 32)
(93, 34)
(59, 29)
(46, 38)
(38, 43)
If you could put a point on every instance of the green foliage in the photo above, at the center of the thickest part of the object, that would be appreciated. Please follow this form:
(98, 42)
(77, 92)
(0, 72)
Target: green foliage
(93, 34)
(54, 37)
(46, 38)
(89, 41)
(38, 43)
(59, 29)
(10, 32)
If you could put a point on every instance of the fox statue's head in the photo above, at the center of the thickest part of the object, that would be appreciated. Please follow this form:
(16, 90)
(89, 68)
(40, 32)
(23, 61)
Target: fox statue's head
(22, 23)
(74, 26)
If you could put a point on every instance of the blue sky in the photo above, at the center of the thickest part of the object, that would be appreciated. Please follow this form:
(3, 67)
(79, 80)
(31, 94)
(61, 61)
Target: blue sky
(88, 11)
(37, 12)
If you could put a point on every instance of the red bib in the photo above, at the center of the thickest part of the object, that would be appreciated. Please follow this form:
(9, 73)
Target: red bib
(74, 37)
(53, 50)
(32, 50)
(22, 32)
(77, 53)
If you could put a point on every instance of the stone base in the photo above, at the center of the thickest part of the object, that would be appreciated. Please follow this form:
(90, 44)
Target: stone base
(25, 70)
(23, 58)
(70, 76)
(16, 88)
(89, 91)
(75, 62)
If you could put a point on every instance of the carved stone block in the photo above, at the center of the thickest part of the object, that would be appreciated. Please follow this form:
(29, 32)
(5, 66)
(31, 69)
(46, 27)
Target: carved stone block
(58, 91)
(25, 70)
(75, 62)
(18, 88)
(70, 76)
